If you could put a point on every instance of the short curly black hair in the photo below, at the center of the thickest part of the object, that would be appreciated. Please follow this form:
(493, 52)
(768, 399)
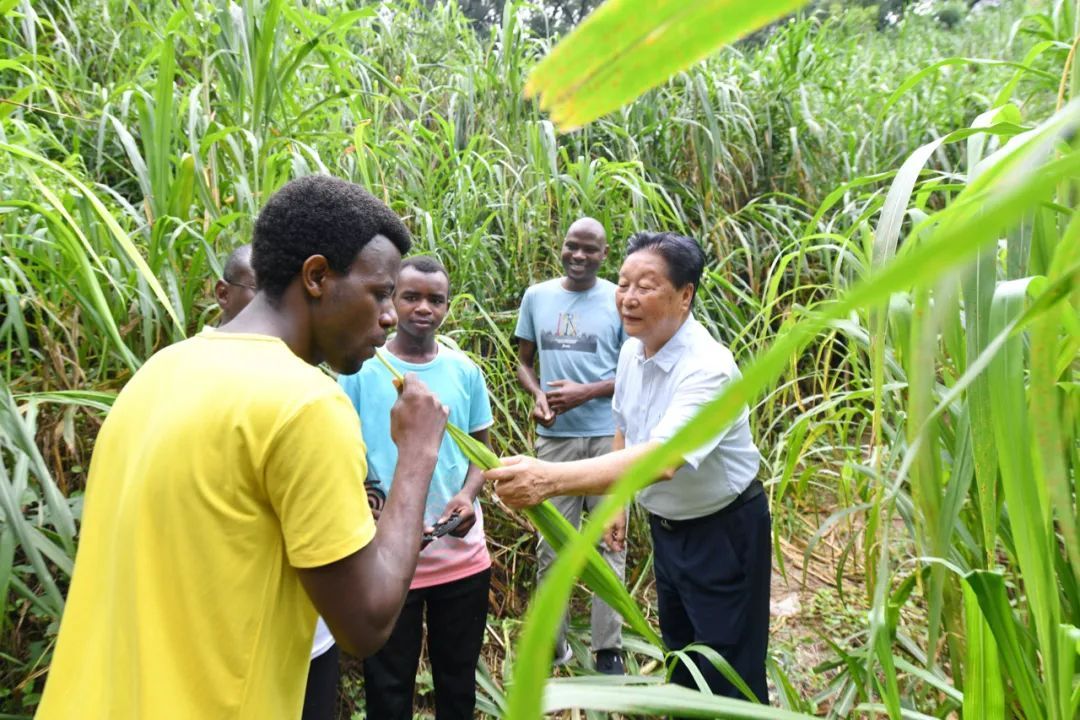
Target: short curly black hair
(318, 215)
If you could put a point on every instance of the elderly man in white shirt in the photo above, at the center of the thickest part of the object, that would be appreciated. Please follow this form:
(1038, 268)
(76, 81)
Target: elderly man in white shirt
(709, 518)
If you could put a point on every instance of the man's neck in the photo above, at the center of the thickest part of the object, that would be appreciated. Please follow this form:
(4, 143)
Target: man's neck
(284, 319)
(657, 344)
(412, 348)
(578, 285)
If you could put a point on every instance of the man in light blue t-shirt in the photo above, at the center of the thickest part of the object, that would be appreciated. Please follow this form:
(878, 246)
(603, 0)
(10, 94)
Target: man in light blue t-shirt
(452, 579)
(571, 325)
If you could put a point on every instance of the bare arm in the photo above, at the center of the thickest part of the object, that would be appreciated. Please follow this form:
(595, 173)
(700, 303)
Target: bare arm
(524, 481)
(526, 375)
(463, 501)
(474, 480)
(568, 394)
(361, 595)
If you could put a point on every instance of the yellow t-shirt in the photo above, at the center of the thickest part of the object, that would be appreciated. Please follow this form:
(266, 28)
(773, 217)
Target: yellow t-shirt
(225, 463)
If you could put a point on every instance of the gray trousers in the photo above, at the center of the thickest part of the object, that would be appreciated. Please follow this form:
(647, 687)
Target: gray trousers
(606, 623)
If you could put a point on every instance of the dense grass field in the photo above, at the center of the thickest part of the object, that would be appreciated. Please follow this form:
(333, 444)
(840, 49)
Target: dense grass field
(920, 441)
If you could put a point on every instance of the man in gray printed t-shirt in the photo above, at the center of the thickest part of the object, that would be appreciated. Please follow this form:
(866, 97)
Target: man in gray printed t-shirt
(572, 323)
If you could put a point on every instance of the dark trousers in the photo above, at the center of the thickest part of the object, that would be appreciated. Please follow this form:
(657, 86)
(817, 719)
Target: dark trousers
(456, 619)
(712, 583)
(320, 697)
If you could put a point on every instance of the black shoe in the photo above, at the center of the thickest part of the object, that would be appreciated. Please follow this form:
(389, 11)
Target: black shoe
(609, 662)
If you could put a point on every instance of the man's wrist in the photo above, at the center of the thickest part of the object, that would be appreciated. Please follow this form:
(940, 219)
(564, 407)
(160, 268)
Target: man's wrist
(549, 485)
(418, 459)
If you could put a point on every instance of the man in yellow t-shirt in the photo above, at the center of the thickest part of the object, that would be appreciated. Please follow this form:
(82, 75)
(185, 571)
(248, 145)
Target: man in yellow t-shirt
(225, 503)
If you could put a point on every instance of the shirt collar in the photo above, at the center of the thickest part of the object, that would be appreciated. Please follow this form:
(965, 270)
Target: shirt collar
(667, 356)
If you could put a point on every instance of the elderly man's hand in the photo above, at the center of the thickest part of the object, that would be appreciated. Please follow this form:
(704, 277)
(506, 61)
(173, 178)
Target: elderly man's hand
(521, 481)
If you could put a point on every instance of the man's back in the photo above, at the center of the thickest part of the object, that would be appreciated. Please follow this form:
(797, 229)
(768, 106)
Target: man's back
(209, 485)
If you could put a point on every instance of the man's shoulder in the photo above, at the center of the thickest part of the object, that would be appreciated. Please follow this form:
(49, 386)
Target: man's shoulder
(545, 287)
(605, 286)
(450, 357)
(704, 353)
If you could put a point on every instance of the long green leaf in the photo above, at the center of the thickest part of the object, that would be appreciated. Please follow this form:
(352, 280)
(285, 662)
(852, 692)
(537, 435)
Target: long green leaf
(110, 222)
(654, 700)
(984, 694)
(1019, 180)
(597, 574)
(989, 590)
(626, 47)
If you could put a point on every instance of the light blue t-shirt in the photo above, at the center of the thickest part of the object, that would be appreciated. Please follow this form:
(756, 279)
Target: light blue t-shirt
(456, 381)
(578, 336)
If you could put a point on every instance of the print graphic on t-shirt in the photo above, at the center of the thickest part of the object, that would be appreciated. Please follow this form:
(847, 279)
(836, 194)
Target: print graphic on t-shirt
(566, 336)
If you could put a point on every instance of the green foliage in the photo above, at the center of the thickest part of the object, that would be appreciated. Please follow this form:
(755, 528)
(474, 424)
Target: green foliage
(893, 251)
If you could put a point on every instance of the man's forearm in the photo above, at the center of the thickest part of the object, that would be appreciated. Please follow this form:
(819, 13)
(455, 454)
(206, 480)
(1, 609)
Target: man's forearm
(602, 388)
(591, 476)
(474, 482)
(526, 376)
(396, 545)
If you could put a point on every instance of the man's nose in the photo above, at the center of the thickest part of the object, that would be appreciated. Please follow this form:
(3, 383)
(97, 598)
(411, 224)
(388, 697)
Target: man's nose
(388, 318)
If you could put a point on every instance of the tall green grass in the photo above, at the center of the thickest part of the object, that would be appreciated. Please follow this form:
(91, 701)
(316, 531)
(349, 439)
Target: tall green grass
(889, 217)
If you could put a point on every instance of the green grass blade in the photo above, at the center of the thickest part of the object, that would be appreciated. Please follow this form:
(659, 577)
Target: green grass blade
(1020, 664)
(984, 694)
(626, 47)
(975, 219)
(549, 522)
(654, 700)
(110, 222)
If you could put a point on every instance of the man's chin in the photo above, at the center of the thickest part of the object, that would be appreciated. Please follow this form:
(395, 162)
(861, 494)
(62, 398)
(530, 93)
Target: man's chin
(349, 366)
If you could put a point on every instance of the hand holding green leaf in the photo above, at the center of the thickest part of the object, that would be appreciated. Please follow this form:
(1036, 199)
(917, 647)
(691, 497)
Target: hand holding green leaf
(597, 574)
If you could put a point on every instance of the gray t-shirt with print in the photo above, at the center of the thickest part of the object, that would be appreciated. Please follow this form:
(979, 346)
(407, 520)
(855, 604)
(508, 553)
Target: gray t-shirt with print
(578, 336)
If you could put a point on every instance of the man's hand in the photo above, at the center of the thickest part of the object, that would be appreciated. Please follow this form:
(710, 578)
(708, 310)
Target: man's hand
(521, 481)
(542, 412)
(463, 505)
(418, 419)
(567, 395)
(615, 534)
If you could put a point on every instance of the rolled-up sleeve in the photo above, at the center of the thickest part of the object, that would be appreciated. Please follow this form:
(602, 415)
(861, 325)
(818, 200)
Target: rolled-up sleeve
(689, 397)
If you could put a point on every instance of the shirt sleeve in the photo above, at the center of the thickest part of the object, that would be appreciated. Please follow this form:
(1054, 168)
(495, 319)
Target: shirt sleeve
(695, 391)
(526, 329)
(479, 403)
(314, 479)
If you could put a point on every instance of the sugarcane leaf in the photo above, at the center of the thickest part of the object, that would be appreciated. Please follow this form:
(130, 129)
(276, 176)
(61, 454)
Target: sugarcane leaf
(626, 47)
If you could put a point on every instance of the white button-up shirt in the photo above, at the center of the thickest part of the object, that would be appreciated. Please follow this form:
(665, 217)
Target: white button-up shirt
(655, 397)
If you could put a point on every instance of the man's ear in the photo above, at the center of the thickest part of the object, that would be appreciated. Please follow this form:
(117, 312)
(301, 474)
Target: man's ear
(221, 292)
(687, 298)
(313, 275)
